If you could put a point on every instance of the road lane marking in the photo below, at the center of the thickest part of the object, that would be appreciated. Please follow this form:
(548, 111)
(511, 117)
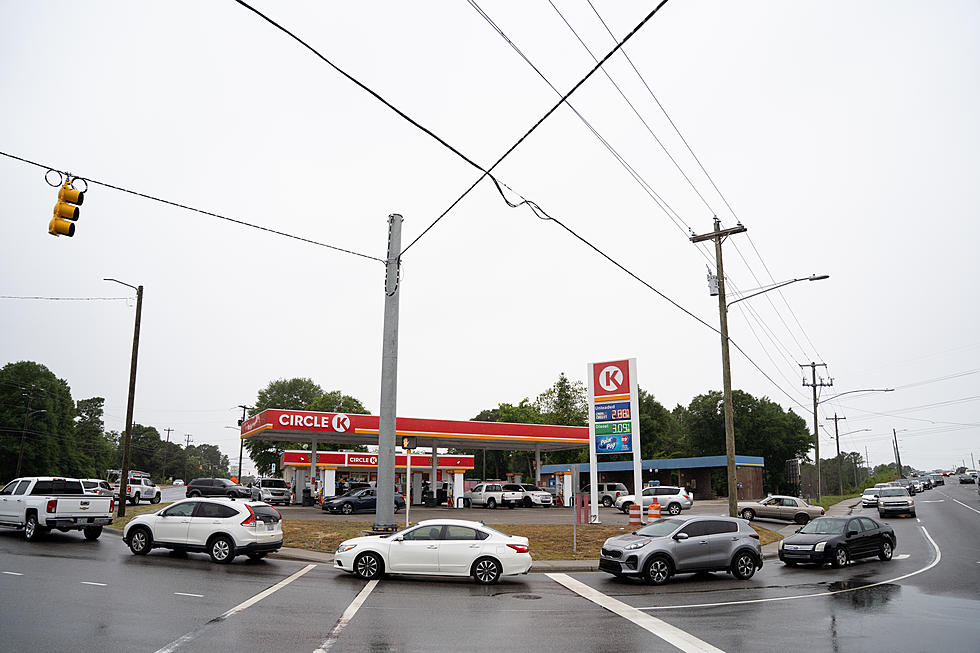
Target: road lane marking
(902, 557)
(347, 616)
(85, 582)
(199, 596)
(961, 503)
(183, 639)
(939, 556)
(670, 634)
(933, 501)
(12, 573)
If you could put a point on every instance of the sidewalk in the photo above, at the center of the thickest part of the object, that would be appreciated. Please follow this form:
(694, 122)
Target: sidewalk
(769, 551)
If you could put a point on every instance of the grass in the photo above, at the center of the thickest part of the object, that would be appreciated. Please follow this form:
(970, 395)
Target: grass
(133, 511)
(828, 500)
(548, 542)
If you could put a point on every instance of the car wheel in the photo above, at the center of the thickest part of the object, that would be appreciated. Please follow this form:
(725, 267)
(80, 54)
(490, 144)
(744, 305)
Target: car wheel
(492, 503)
(626, 507)
(135, 499)
(347, 509)
(155, 499)
(511, 505)
(256, 555)
(222, 549)
(193, 494)
(657, 571)
(92, 532)
(748, 514)
(607, 502)
(486, 571)
(139, 541)
(885, 554)
(674, 509)
(31, 530)
(369, 566)
(802, 518)
(881, 513)
(743, 566)
(912, 514)
(840, 557)
(527, 502)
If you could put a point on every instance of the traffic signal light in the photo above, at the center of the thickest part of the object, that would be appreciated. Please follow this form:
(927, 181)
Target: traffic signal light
(408, 443)
(66, 211)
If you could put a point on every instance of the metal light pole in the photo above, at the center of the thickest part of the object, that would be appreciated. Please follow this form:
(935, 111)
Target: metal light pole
(124, 471)
(385, 507)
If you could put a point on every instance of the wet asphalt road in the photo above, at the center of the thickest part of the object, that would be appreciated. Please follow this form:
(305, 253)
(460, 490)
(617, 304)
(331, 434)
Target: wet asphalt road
(66, 593)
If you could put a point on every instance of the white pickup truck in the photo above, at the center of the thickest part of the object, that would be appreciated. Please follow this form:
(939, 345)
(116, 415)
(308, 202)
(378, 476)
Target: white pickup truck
(39, 504)
(491, 495)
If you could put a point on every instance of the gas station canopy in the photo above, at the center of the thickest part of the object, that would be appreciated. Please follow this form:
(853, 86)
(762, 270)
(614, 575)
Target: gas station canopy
(341, 428)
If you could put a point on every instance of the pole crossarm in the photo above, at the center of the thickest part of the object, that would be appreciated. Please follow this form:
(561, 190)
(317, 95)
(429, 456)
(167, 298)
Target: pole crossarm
(853, 391)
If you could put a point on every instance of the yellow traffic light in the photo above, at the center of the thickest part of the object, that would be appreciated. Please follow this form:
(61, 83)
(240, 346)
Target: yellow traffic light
(66, 211)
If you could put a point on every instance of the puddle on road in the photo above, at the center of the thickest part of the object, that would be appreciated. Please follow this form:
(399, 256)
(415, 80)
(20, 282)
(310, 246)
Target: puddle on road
(871, 597)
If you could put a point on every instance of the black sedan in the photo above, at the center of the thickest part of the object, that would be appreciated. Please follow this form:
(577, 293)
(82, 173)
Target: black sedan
(365, 499)
(838, 540)
(966, 478)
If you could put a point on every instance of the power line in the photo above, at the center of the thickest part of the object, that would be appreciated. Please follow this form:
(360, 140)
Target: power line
(67, 299)
(201, 211)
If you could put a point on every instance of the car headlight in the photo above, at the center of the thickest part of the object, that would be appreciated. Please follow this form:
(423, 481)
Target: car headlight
(637, 545)
(820, 547)
(345, 547)
(911, 502)
(780, 546)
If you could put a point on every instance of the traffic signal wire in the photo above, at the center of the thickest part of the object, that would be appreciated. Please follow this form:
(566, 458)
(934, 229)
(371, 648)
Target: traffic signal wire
(201, 211)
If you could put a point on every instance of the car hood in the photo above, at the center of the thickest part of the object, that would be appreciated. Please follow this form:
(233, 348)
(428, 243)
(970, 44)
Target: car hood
(368, 539)
(622, 541)
(749, 504)
(810, 538)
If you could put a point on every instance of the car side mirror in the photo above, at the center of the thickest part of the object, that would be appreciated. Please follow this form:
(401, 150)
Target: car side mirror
(851, 533)
(798, 530)
(681, 536)
(397, 538)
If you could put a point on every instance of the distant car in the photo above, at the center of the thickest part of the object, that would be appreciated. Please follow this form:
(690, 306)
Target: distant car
(608, 492)
(179, 482)
(908, 485)
(895, 500)
(838, 540)
(937, 479)
(222, 528)
(677, 545)
(216, 487)
(97, 486)
(270, 490)
(780, 507)
(535, 496)
(437, 547)
(358, 501)
(672, 499)
(870, 498)
(966, 478)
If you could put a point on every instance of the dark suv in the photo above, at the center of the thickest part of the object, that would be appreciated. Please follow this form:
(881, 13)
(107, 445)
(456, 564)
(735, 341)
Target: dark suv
(216, 487)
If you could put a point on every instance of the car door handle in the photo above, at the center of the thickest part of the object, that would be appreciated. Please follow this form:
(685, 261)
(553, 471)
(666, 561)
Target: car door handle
(432, 546)
(474, 546)
(703, 542)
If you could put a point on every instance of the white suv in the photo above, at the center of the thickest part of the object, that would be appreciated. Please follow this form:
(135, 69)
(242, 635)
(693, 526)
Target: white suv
(222, 528)
(672, 499)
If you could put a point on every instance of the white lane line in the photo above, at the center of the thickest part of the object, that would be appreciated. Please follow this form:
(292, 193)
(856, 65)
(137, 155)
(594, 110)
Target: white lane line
(346, 617)
(902, 557)
(85, 582)
(670, 634)
(939, 556)
(198, 596)
(12, 573)
(183, 639)
(966, 506)
(934, 501)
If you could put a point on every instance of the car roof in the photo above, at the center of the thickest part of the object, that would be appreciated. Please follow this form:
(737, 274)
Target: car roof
(453, 522)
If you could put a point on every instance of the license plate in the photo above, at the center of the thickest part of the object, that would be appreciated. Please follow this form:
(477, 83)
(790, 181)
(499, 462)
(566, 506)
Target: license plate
(270, 527)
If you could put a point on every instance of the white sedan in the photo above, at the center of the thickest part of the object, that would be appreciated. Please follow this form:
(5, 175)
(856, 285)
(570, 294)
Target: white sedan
(437, 547)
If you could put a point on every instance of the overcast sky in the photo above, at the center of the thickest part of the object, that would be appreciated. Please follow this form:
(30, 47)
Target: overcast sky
(843, 135)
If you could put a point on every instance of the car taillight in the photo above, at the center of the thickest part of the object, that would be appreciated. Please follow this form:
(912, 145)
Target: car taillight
(128, 489)
(821, 511)
(251, 517)
(520, 548)
(112, 505)
(618, 494)
(52, 505)
(754, 536)
(686, 496)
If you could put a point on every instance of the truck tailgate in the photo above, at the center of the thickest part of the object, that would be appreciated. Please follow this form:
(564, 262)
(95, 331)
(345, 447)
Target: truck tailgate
(80, 506)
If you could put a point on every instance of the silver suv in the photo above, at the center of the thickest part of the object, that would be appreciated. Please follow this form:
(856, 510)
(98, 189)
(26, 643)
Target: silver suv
(270, 490)
(672, 499)
(677, 545)
(608, 492)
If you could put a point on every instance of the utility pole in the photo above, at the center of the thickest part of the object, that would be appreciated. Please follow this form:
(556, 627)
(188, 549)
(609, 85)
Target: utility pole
(187, 442)
(241, 441)
(23, 430)
(840, 477)
(898, 455)
(867, 461)
(719, 235)
(973, 460)
(124, 472)
(164, 474)
(385, 510)
(816, 433)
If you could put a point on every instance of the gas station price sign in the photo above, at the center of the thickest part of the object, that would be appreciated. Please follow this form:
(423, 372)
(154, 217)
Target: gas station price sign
(614, 411)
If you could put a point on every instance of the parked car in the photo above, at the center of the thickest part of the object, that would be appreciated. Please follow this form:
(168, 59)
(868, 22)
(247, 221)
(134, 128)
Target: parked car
(39, 504)
(895, 500)
(216, 487)
(535, 496)
(222, 528)
(97, 486)
(870, 498)
(838, 540)
(675, 545)
(907, 485)
(672, 499)
(179, 482)
(437, 547)
(780, 507)
(270, 490)
(357, 501)
(491, 495)
(607, 492)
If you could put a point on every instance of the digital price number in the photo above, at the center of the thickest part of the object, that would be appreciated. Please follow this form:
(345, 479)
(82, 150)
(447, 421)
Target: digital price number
(612, 412)
(616, 428)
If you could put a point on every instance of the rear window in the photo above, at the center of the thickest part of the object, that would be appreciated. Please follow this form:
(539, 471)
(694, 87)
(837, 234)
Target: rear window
(275, 482)
(58, 486)
(266, 513)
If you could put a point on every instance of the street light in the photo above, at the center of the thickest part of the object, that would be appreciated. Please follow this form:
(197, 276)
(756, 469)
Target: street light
(23, 433)
(124, 472)
(840, 479)
(727, 373)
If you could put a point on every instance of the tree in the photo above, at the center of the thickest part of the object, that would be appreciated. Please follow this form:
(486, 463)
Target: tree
(94, 445)
(762, 428)
(565, 403)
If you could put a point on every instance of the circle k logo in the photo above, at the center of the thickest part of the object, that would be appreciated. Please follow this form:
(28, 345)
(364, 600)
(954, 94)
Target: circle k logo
(611, 378)
(341, 423)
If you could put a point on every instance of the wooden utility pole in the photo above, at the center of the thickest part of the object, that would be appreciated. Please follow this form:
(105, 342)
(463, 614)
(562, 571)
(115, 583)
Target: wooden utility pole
(164, 472)
(816, 433)
(840, 477)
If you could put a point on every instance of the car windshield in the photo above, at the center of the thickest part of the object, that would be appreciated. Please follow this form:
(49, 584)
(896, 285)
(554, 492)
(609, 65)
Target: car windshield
(894, 492)
(277, 483)
(660, 527)
(871, 492)
(825, 526)
(532, 488)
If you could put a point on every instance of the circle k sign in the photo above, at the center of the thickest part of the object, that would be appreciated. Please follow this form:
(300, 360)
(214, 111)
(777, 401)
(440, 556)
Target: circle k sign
(340, 423)
(611, 378)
